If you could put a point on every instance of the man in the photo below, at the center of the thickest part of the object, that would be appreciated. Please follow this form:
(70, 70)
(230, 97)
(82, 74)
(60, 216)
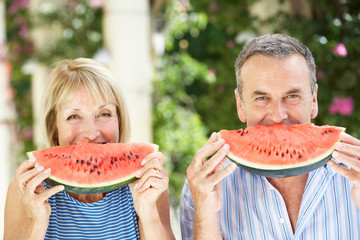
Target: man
(276, 83)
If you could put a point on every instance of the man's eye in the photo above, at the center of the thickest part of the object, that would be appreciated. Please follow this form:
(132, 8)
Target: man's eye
(260, 98)
(292, 96)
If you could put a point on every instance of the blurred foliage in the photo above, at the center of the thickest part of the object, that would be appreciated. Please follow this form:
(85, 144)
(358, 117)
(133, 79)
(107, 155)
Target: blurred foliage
(19, 49)
(78, 29)
(69, 29)
(210, 35)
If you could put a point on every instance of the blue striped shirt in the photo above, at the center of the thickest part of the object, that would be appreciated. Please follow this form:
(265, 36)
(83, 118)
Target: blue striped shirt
(253, 209)
(113, 217)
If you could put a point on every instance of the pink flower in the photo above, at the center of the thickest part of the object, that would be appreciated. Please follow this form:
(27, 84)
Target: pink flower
(340, 50)
(27, 133)
(23, 31)
(214, 6)
(17, 5)
(96, 3)
(320, 74)
(343, 106)
(212, 71)
(230, 44)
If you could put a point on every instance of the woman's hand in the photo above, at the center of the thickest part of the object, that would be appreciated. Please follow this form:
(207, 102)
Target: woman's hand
(151, 199)
(27, 210)
(153, 181)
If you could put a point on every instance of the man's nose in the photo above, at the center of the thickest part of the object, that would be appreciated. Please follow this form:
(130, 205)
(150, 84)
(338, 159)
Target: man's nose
(278, 112)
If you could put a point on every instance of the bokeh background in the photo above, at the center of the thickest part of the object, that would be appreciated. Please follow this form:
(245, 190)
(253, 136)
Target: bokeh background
(174, 60)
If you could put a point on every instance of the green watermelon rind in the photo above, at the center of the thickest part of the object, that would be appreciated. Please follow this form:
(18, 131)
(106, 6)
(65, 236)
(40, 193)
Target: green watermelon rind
(91, 189)
(279, 171)
(285, 171)
(94, 189)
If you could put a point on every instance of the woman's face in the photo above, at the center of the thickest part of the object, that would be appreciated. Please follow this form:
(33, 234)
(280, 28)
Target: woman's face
(82, 118)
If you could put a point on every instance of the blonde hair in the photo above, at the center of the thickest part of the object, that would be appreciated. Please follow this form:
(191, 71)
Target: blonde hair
(65, 81)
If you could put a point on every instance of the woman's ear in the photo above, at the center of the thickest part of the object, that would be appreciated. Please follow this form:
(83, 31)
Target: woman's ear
(240, 107)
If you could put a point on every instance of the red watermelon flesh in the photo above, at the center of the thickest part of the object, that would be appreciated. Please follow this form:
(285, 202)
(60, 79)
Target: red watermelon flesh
(279, 150)
(90, 168)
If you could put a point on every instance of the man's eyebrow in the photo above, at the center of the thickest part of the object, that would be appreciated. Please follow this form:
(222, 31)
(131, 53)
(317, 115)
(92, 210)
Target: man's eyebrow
(293, 90)
(258, 92)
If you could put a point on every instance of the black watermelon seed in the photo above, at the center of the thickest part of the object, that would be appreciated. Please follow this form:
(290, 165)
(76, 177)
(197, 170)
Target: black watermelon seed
(294, 152)
(112, 162)
(77, 160)
(95, 166)
(128, 157)
(124, 155)
(277, 154)
(287, 151)
(238, 131)
(269, 153)
(131, 153)
(242, 134)
(300, 156)
(88, 163)
(282, 155)
(91, 170)
(330, 130)
(115, 159)
(99, 172)
(136, 156)
(82, 162)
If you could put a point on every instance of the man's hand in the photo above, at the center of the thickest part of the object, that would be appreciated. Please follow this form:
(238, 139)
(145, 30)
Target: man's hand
(348, 152)
(204, 177)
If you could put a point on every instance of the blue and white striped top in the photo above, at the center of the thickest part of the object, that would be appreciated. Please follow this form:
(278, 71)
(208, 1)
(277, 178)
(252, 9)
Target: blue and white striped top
(253, 209)
(113, 217)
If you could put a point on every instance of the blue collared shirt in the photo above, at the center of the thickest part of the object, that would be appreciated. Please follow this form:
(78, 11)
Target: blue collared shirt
(253, 209)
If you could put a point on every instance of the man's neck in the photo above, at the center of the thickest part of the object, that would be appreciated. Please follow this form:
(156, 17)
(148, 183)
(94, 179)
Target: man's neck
(292, 190)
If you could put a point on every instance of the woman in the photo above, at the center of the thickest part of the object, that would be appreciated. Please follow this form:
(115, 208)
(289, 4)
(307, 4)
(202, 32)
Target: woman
(82, 101)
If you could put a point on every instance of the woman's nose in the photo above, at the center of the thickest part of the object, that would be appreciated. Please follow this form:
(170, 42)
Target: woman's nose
(91, 129)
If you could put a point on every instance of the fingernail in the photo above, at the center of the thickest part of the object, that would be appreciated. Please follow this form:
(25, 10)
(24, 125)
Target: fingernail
(136, 186)
(31, 160)
(335, 154)
(226, 146)
(47, 170)
(40, 168)
(143, 162)
(137, 174)
(338, 145)
(61, 188)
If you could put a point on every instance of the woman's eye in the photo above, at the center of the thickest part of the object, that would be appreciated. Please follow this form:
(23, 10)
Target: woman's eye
(105, 114)
(71, 117)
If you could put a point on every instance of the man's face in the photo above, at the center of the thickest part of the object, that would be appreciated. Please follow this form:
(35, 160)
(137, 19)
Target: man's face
(276, 91)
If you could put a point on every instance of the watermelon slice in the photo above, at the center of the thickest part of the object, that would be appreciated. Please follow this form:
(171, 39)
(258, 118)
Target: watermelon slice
(279, 150)
(90, 168)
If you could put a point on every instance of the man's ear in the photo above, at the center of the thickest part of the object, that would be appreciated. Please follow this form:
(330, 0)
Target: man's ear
(240, 107)
(315, 108)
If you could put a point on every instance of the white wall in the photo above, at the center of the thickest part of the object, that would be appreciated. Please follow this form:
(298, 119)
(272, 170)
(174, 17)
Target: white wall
(127, 32)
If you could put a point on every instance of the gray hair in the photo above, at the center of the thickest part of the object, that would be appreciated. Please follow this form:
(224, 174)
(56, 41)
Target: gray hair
(278, 46)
